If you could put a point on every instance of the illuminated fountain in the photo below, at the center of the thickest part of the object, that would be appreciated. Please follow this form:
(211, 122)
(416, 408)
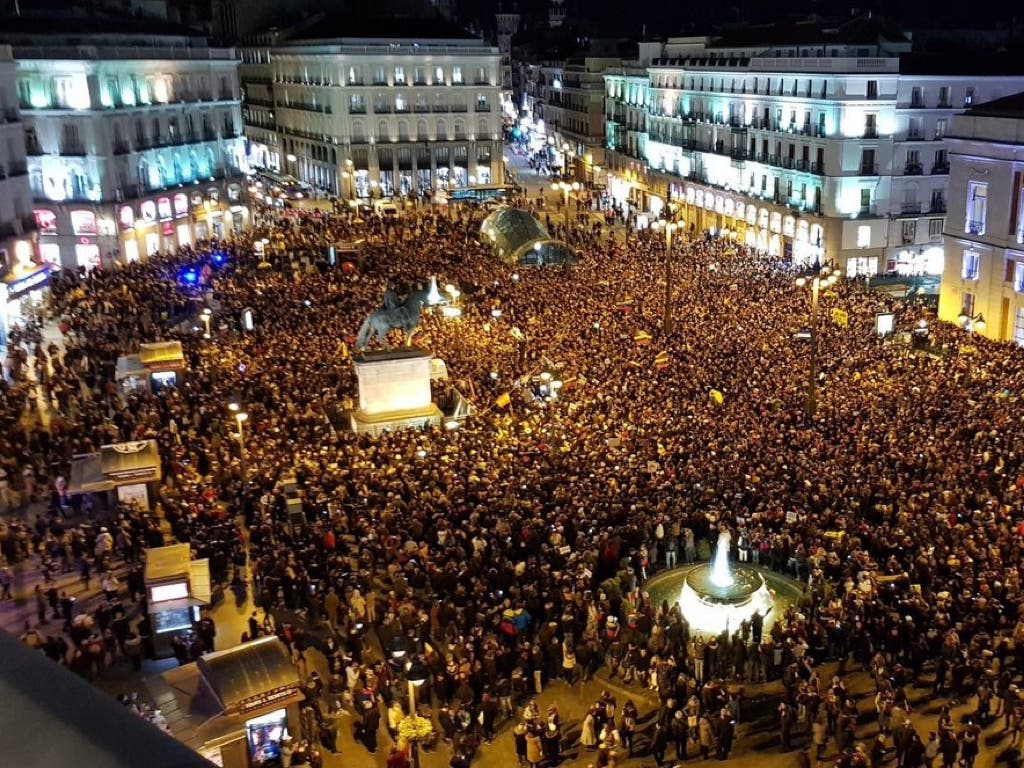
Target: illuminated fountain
(716, 597)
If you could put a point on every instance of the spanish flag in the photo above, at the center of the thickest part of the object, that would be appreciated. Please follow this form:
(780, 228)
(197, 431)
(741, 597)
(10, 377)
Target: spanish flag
(503, 400)
(642, 339)
(661, 360)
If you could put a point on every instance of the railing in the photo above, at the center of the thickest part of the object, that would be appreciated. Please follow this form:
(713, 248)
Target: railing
(910, 208)
(788, 162)
(17, 169)
(913, 169)
(33, 150)
(439, 108)
(870, 133)
(459, 108)
(916, 105)
(940, 168)
(357, 109)
(868, 170)
(11, 115)
(818, 169)
(259, 102)
(115, 52)
(73, 149)
(803, 165)
(122, 147)
(937, 206)
(915, 136)
(420, 108)
(483, 107)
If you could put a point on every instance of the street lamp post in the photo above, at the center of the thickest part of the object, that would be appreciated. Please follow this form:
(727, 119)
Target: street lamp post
(669, 229)
(207, 316)
(971, 322)
(416, 674)
(828, 278)
(240, 419)
(565, 188)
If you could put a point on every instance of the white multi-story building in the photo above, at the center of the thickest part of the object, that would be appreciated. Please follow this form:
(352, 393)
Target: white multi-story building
(134, 142)
(827, 149)
(20, 270)
(984, 231)
(364, 113)
(15, 200)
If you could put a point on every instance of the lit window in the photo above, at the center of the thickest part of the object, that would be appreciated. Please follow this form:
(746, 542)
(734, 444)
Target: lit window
(971, 265)
(1018, 326)
(863, 236)
(977, 199)
(438, 76)
(399, 75)
(456, 74)
(1018, 276)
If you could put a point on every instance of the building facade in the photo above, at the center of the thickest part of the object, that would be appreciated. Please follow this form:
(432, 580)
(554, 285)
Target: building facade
(16, 225)
(984, 230)
(507, 26)
(134, 144)
(20, 270)
(831, 149)
(572, 107)
(372, 116)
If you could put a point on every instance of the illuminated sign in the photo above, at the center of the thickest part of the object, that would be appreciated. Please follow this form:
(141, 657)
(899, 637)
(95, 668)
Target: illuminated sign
(181, 204)
(148, 210)
(27, 283)
(197, 199)
(126, 215)
(46, 221)
(163, 207)
(168, 592)
(83, 222)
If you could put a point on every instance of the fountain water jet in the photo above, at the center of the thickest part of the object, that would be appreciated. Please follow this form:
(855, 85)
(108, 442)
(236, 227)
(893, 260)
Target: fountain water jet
(721, 576)
(717, 598)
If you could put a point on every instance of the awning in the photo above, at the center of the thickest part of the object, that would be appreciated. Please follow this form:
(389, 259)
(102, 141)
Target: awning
(19, 284)
(87, 475)
(166, 563)
(135, 462)
(162, 356)
(128, 366)
(249, 676)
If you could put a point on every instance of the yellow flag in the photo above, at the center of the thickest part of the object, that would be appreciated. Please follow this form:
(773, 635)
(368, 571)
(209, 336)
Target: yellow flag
(503, 400)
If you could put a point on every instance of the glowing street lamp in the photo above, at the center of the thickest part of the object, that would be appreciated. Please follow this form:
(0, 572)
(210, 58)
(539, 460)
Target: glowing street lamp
(207, 316)
(828, 278)
(565, 188)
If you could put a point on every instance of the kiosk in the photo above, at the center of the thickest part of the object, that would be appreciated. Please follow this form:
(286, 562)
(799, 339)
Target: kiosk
(156, 365)
(119, 472)
(253, 691)
(176, 588)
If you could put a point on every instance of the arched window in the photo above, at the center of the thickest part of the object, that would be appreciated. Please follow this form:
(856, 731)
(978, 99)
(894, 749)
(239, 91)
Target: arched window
(442, 131)
(421, 130)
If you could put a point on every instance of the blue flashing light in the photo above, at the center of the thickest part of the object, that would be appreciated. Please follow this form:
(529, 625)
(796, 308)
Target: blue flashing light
(190, 277)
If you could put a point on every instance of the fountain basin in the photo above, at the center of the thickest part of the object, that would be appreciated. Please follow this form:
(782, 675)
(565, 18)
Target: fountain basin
(709, 609)
(712, 607)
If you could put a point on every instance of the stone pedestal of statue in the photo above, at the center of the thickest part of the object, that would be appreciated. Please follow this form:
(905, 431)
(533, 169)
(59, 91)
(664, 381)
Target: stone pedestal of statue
(394, 391)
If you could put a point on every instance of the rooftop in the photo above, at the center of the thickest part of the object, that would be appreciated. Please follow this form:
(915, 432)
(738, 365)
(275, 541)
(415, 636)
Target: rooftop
(1010, 107)
(386, 29)
(976, 64)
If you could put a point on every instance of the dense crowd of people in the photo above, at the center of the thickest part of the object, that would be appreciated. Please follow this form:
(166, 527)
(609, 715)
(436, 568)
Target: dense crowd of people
(512, 551)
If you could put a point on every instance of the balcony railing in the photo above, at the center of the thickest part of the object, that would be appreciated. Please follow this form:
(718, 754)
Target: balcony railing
(910, 208)
(915, 136)
(937, 206)
(72, 148)
(357, 109)
(803, 165)
(868, 170)
(870, 133)
(940, 168)
(913, 169)
(122, 147)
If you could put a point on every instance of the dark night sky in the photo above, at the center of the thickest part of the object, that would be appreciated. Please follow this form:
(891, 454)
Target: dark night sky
(664, 17)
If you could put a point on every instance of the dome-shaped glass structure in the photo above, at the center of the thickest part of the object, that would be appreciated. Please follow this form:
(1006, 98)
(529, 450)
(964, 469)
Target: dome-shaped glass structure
(518, 238)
